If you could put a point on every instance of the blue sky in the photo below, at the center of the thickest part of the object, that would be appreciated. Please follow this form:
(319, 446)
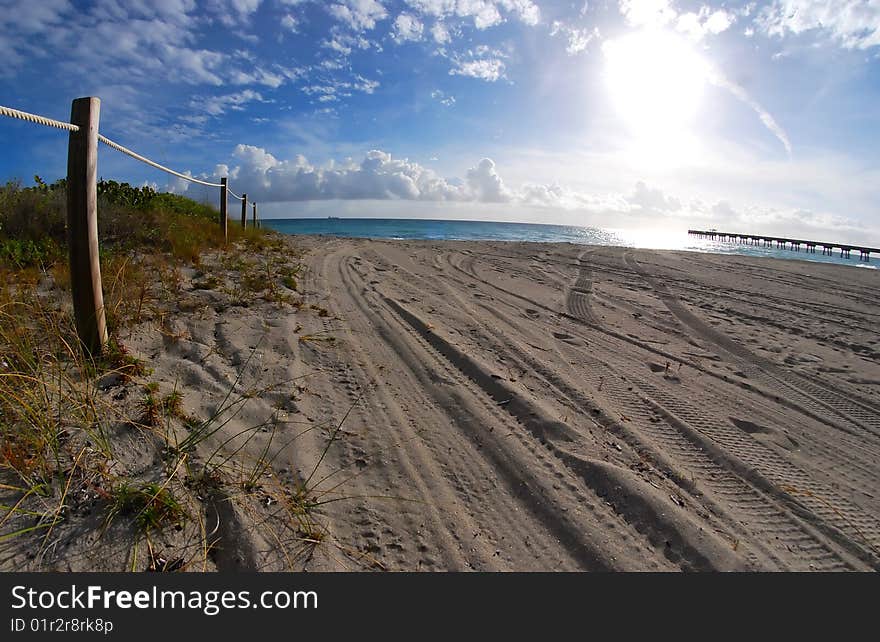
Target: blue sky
(644, 114)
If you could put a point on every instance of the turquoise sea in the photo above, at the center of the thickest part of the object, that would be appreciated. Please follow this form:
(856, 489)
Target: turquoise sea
(386, 228)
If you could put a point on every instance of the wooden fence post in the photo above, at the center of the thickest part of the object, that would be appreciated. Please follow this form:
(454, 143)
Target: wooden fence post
(254, 225)
(223, 217)
(82, 226)
(243, 211)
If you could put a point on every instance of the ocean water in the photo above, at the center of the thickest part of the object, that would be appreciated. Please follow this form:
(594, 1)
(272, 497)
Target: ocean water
(415, 229)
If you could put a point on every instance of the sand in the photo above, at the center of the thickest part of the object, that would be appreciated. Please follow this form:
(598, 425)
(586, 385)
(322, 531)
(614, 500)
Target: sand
(456, 406)
(556, 407)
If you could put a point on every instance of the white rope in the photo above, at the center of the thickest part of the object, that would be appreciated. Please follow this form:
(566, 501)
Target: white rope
(33, 118)
(124, 150)
(233, 194)
(41, 120)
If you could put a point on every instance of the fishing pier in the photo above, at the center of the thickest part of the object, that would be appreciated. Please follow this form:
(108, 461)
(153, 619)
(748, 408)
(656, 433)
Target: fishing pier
(787, 243)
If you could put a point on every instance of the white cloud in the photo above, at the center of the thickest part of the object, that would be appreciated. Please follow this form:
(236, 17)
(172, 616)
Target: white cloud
(142, 42)
(528, 11)
(705, 22)
(345, 43)
(488, 69)
(483, 13)
(854, 24)
(485, 184)
(219, 105)
(653, 199)
(577, 39)
(290, 22)
(256, 76)
(443, 98)
(660, 13)
(379, 176)
(647, 13)
(335, 89)
(360, 15)
(440, 33)
(407, 28)
(229, 12)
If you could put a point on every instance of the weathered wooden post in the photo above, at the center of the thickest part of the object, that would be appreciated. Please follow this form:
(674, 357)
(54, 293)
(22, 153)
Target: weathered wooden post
(82, 226)
(254, 225)
(223, 217)
(243, 211)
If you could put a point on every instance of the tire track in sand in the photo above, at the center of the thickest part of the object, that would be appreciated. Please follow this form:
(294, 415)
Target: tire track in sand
(730, 488)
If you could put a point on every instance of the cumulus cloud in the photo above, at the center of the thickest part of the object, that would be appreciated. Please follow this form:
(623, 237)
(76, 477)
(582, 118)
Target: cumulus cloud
(488, 69)
(140, 42)
(360, 15)
(653, 199)
(854, 24)
(440, 33)
(380, 176)
(659, 13)
(485, 184)
(228, 12)
(407, 28)
(704, 22)
(483, 13)
(527, 11)
(377, 176)
(772, 220)
(345, 43)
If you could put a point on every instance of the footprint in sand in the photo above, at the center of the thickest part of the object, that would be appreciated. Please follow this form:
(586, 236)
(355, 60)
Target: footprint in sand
(567, 338)
(764, 433)
(532, 314)
(667, 371)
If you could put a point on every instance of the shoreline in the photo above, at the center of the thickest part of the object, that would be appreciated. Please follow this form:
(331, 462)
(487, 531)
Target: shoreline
(749, 251)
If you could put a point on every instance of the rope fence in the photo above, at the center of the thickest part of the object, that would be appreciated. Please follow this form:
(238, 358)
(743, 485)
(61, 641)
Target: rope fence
(119, 148)
(49, 122)
(33, 118)
(82, 215)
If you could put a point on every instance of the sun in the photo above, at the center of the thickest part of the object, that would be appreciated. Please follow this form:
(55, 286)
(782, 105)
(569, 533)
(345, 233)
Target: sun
(655, 81)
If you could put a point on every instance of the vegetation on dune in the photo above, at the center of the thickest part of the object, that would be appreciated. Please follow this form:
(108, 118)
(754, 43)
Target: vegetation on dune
(33, 223)
(62, 425)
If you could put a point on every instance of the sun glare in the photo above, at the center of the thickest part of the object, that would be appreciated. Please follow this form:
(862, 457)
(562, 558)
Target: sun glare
(655, 81)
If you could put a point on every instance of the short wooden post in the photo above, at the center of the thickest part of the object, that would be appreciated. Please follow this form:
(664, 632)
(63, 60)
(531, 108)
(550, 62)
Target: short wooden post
(82, 226)
(223, 202)
(243, 211)
(254, 224)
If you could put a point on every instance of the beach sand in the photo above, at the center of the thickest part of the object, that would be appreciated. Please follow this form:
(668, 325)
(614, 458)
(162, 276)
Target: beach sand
(454, 406)
(544, 407)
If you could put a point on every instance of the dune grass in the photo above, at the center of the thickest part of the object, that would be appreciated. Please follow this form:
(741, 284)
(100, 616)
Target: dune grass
(58, 428)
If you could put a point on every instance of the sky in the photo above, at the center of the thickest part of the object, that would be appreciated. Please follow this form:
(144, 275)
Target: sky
(649, 115)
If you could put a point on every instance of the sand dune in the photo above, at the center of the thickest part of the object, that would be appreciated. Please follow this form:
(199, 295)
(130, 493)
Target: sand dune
(542, 407)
